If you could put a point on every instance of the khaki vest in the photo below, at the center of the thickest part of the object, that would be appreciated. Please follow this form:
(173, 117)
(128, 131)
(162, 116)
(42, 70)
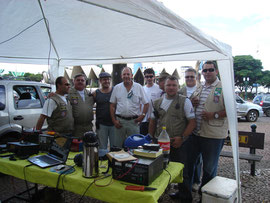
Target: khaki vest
(82, 111)
(215, 128)
(183, 91)
(174, 119)
(61, 120)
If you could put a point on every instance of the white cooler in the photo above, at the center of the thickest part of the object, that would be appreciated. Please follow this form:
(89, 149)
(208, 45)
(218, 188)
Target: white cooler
(220, 190)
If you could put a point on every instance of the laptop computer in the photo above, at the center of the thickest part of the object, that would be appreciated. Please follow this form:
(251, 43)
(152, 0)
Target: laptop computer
(58, 154)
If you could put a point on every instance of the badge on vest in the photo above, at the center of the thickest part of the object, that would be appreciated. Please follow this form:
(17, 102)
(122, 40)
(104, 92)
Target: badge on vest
(74, 100)
(217, 94)
(63, 109)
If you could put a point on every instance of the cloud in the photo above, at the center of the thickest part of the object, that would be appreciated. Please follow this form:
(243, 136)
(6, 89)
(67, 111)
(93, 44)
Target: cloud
(241, 24)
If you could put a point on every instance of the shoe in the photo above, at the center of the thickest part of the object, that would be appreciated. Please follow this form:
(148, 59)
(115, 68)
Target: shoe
(182, 197)
(174, 195)
(195, 187)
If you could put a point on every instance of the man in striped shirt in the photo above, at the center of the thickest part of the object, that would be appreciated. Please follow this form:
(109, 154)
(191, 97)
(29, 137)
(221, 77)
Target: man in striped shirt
(211, 124)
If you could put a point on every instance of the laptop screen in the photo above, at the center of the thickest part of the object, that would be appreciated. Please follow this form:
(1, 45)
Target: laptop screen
(60, 148)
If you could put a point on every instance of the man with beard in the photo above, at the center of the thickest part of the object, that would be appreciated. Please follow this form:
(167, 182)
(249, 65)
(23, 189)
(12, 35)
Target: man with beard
(104, 124)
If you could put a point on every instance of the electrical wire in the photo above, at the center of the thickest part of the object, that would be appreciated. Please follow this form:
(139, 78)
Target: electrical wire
(64, 172)
(95, 180)
(26, 183)
(121, 176)
(169, 175)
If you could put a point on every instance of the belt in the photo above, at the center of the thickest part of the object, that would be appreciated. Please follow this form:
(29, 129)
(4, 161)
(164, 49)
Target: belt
(127, 118)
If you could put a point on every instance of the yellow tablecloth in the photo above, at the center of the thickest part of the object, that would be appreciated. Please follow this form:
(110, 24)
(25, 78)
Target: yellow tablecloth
(74, 182)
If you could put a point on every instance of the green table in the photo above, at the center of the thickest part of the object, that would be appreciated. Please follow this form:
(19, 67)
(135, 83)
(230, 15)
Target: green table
(74, 182)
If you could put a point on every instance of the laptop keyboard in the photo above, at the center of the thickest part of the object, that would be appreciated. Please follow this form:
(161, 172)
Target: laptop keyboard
(48, 160)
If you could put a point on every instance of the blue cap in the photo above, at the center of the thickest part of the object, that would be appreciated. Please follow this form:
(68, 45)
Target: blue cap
(104, 75)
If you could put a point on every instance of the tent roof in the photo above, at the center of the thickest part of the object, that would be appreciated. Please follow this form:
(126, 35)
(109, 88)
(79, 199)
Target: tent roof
(100, 32)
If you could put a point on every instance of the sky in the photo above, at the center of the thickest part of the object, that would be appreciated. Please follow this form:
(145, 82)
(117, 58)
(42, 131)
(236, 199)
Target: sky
(242, 24)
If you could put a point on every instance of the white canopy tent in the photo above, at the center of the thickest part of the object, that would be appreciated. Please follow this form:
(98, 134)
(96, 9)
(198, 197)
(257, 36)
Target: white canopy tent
(82, 32)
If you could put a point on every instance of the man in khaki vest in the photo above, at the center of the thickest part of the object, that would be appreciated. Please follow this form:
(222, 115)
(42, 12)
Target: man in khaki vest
(211, 129)
(82, 102)
(176, 113)
(57, 110)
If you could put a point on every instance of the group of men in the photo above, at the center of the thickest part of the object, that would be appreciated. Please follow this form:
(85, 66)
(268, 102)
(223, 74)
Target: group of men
(194, 116)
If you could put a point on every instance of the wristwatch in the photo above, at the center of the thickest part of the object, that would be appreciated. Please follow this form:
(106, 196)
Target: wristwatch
(183, 138)
(216, 116)
(143, 114)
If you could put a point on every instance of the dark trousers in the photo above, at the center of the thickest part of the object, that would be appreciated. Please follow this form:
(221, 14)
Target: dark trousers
(181, 155)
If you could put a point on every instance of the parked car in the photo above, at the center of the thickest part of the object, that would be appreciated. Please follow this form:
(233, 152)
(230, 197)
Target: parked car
(248, 110)
(21, 104)
(264, 101)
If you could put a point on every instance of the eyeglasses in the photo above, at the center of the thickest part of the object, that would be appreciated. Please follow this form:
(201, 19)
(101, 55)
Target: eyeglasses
(67, 84)
(130, 94)
(149, 76)
(209, 70)
(191, 77)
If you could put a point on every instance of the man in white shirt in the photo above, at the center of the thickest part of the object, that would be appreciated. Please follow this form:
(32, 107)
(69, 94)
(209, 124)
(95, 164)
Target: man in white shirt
(176, 112)
(125, 110)
(191, 79)
(57, 110)
(153, 92)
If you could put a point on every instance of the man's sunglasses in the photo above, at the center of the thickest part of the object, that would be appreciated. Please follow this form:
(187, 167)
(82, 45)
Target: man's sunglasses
(67, 84)
(149, 76)
(209, 70)
(191, 77)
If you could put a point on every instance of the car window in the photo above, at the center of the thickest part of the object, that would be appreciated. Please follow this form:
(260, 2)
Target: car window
(26, 97)
(45, 91)
(257, 99)
(2, 97)
(267, 98)
(239, 100)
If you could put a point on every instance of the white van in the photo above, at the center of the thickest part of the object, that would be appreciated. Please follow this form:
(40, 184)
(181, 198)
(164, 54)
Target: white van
(21, 104)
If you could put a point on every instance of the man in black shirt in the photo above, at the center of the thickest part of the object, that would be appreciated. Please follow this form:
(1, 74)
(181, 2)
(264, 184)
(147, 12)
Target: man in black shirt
(104, 124)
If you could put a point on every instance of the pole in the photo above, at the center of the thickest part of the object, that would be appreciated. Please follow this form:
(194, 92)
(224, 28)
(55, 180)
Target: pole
(246, 90)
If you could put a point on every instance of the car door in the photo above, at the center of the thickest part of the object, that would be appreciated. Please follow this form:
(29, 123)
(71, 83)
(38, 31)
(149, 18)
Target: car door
(241, 106)
(4, 121)
(25, 105)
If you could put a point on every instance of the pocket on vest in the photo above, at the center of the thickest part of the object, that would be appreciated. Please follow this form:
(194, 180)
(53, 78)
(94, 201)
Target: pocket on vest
(216, 122)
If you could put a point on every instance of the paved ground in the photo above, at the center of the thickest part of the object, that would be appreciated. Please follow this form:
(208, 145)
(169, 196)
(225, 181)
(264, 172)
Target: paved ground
(254, 189)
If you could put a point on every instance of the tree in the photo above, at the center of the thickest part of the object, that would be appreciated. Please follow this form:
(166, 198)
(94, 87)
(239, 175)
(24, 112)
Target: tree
(34, 77)
(266, 79)
(245, 66)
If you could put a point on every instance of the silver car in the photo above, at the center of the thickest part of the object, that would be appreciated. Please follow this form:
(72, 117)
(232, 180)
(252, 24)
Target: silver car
(248, 110)
(21, 104)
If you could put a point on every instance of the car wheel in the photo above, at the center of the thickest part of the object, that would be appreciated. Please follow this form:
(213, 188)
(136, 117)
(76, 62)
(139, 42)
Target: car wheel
(252, 116)
(267, 112)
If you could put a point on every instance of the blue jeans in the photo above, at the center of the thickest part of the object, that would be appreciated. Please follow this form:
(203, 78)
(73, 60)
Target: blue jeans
(104, 133)
(210, 150)
(197, 172)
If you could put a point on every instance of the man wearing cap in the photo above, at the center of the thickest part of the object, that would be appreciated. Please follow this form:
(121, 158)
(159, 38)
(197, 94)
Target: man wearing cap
(104, 124)
(57, 110)
(82, 102)
(125, 106)
(161, 82)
